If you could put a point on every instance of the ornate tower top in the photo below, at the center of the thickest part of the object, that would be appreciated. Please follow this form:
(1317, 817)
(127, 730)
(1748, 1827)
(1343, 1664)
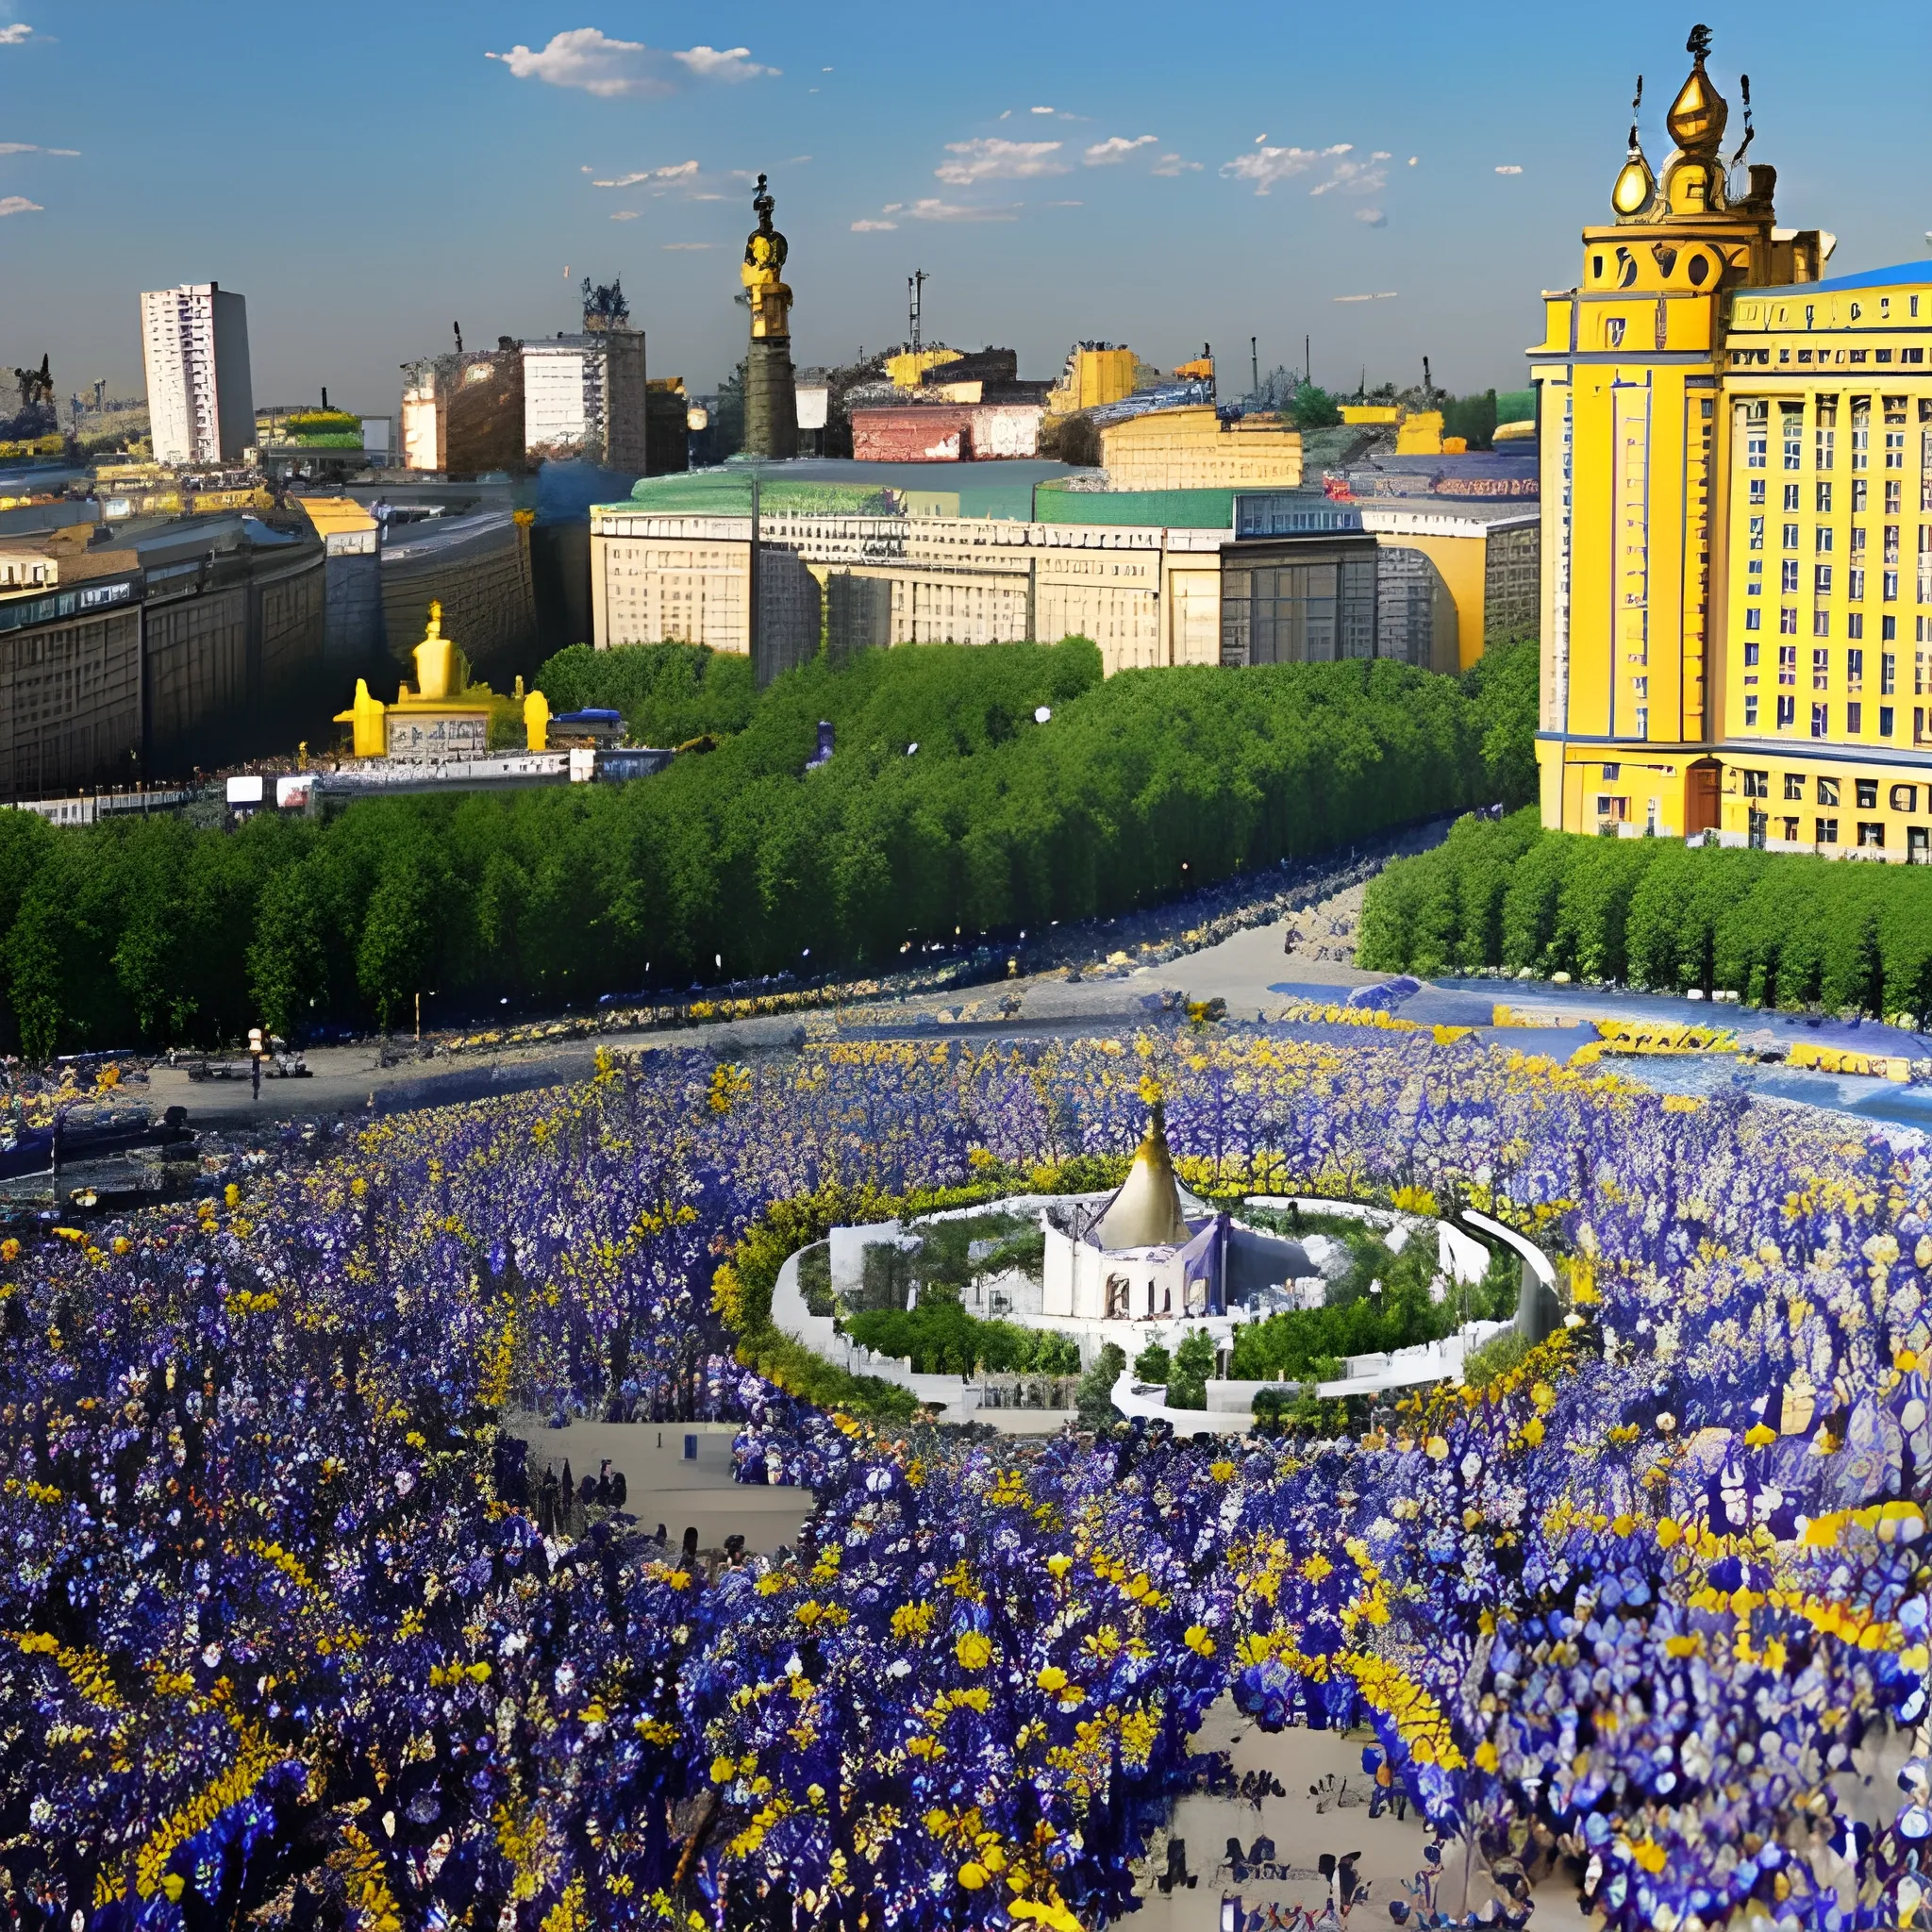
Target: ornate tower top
(1698, 115)
(1695, 183)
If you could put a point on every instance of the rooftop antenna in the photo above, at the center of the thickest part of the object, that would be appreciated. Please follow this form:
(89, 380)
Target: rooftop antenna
(1429, 386)
(1750, 132)
(915, 303)
(1636, 106)
(1254, 367)
(458, 329)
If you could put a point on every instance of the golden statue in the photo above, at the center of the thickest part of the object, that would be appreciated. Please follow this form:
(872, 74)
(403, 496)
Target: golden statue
(763, 271)
(446, 716)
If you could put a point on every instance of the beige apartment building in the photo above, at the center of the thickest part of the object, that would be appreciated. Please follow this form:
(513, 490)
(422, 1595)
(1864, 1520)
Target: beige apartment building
(1194, 448)
(1146, 596)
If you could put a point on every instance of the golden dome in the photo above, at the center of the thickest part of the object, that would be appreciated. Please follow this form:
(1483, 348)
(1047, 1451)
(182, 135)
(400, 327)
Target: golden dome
(1147, 1213)
(1698, 115)
(1636, 186)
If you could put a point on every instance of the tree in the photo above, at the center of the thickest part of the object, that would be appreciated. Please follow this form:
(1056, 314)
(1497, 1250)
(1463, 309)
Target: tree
(1153, 1364)
(289, 962)
(1314, 407)
(1194, 1363)
(398, 940)
(1503, 684)
(1473, 418)
(1095, 1396)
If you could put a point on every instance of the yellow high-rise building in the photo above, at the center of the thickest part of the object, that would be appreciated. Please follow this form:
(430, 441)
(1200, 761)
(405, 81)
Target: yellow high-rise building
(1646, 489)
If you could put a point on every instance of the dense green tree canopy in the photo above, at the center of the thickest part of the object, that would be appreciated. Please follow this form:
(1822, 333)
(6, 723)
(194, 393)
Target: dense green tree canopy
(945, 809)
(1781, 928)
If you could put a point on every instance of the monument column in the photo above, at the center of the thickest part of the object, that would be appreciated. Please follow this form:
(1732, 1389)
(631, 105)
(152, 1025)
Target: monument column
(771, 397)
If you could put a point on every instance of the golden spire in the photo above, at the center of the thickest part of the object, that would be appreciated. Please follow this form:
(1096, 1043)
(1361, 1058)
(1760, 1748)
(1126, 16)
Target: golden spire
(1636, 185)
(1698, 115)
(1147, 1213)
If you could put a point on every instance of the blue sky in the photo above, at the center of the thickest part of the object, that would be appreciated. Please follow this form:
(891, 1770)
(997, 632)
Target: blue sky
(1159, 175)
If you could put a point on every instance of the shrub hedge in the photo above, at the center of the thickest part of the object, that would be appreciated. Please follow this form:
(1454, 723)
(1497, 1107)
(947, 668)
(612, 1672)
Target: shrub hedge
(1781, 929)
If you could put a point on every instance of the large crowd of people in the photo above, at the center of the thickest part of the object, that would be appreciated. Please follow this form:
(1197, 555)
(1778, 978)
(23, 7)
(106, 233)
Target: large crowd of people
(292, 1629)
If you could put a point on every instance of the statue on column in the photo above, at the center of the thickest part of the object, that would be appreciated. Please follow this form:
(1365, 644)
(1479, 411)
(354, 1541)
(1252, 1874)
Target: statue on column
(771, 399)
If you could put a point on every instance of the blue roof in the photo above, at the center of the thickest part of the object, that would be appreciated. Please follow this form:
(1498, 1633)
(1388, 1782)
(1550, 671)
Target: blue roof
(1874, 279)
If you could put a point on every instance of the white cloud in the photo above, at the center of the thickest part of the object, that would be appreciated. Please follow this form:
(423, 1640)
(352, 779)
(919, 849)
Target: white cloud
(990, 159)
(1116, 147)
(932, 209)
(796, 161)
(1371, 217)
(1268, 165)
(587, 57)
(723, 63)
(686, 247)
(1413, 160)
(624, 214)
(28, 147)
(1355, 178)
(1063, 203)
(19, 205)
(13, 35)
(873, 227)
(1508, 171)
(1172, 164)
(1379, 295)
(1043, 110)
(678, 170)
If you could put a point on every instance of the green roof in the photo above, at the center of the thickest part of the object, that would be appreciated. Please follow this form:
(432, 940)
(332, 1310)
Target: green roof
(1018, 492)
(728, 494)
(1174, 509)
(838, 484)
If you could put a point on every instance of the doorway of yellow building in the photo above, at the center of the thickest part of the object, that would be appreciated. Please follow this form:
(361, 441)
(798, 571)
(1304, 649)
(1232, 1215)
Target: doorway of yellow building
(1701, 789)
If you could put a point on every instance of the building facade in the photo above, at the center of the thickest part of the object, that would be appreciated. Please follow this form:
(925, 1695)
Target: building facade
(191, 645)
(194, 344)
(1449, 579)
(463, 414)
(1194, 449)
(958, 430)
(1146, 596)
(584, 396)
(1642, 459)
(1826, 695)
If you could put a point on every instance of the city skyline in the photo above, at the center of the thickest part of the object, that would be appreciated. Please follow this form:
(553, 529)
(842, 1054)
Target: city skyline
(1392, 204)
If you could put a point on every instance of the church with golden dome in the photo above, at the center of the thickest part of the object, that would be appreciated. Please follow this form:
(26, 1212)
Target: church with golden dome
(1736, 500)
